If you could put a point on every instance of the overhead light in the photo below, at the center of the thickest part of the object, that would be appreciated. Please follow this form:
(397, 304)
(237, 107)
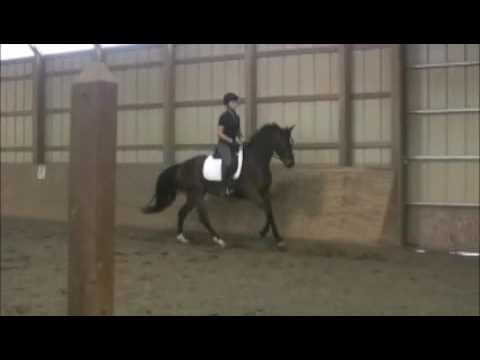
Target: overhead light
(113, 45)
(47, 49)
(465, 253)
(15, 51)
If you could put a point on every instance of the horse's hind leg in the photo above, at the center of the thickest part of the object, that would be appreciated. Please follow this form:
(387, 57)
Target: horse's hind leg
(203, 216)
(265, 229)
(182, 214)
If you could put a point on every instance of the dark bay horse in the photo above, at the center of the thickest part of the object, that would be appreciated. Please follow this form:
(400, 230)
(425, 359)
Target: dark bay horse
(253, 184)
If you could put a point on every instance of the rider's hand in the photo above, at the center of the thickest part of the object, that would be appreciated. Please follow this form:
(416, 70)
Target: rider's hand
(236, 147)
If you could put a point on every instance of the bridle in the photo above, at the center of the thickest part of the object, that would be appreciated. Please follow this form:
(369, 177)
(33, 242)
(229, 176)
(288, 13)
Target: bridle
(276, 156)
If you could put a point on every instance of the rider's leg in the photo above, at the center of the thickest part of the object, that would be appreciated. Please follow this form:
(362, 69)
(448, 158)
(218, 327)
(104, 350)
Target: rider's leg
(226, 155)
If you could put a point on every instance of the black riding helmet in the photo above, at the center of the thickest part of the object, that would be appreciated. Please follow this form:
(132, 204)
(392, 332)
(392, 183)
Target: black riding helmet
(230, 97)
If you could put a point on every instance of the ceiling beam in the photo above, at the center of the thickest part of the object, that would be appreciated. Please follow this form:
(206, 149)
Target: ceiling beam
(99, 52)
(35, 50)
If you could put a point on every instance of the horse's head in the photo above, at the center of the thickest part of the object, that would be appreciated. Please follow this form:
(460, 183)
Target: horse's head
(282, 145)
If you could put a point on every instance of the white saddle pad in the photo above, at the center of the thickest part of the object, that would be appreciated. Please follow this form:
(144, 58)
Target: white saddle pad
(212, 168)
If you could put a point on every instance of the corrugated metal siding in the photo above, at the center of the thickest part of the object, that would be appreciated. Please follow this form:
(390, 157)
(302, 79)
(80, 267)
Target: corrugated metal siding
(60, 72)
(450, 86)
(139, 73)
(451, 134)
(208, 78)
(187, 51)
(140, 86)
(135, 55)
(299, 75)
(16, 111)
(207, 81)
(371, 118)
(273, 47)
(198, 125)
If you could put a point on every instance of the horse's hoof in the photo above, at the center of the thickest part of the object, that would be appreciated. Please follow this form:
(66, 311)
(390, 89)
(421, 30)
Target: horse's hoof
(282, 245)
(219, 242)
(182, 239)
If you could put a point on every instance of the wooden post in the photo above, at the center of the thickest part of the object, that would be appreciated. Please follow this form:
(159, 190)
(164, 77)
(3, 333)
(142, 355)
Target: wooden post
(92, 192)
(251, 89)
(38, 109)
(345, 106)
(169, 106)
(399, 137)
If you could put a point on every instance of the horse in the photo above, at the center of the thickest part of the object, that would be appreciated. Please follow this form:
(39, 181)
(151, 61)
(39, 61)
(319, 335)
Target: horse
(253, 184)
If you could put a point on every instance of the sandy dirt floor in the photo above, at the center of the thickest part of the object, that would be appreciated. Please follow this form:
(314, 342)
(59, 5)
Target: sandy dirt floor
(155, 275)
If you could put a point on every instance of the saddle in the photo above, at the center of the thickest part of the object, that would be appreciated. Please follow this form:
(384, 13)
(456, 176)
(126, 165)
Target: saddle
(212, 166)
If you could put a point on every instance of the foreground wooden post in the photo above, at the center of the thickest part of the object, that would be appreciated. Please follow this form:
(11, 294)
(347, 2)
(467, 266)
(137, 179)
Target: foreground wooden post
(92, 192)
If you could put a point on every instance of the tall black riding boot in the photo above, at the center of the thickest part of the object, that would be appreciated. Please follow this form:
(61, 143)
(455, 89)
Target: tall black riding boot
(226, 182)
(230, 185)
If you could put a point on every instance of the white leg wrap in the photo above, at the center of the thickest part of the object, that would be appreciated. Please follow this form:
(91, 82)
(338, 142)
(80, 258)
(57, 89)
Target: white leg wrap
(219, 241)
(182, 239)
(282, 244)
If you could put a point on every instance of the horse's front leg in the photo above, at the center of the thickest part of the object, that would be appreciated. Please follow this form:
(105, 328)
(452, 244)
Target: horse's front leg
(266, 227)
(265, 204)
(271, 221)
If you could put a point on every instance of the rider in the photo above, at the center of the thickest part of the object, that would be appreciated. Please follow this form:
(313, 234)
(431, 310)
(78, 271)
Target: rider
(228, 135)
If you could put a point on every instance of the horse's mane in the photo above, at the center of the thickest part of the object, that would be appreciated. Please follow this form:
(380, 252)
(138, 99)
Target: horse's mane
(265, 129)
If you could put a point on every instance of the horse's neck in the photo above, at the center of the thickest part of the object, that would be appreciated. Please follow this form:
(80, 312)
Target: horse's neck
(261, 152)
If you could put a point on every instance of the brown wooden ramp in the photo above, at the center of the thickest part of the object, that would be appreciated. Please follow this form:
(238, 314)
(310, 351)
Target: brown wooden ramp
(351, 205)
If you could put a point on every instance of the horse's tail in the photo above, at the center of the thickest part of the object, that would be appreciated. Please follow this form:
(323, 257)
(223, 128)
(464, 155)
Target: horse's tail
(165, 191)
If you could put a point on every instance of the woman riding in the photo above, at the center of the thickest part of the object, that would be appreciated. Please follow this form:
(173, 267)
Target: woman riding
(229, 136)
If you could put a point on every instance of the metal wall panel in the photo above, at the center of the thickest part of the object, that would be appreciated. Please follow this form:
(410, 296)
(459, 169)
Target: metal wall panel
(444, 182)
(371, 120)
(67, 62)
(316, 122)
(183, 155)
(305, 74)
(323, 157)
(209, 81)
(187, 51)
(371, 117)
(58, 92)
(372, 157)
(135, 55)
(16, 68)
(57, 132)
(143, 127)
(139, 74)
(198, 125)
(443, 124)
(296, 75)
(275, 47)
(206, 77)
(139, 156)
(16, 111)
